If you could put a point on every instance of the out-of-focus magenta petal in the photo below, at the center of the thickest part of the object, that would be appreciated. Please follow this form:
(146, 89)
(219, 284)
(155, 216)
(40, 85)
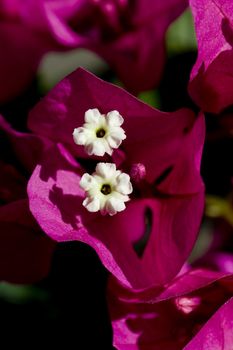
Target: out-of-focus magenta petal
(212, 89)
(12, 183)
(170, 8)
(50, 19)
(134, 54)
(211, 78)
(133, 61)
(130, 37)
(223, 262)
(26, 147)
(9, 7)
(217, 333)
(132, 47)
(25, 253)
(20, 55)
(217, 260)
(26, 34)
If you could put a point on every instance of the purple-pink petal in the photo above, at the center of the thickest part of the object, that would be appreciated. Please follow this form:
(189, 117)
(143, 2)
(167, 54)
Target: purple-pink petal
(25, 253)
(130, 37)
(21, 52)
(170, 322)
(211, 77)
(217, 333)
(28, 148)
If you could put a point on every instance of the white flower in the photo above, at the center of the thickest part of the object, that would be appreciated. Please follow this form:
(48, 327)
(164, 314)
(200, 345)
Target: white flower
(106, 190)
(100, 133)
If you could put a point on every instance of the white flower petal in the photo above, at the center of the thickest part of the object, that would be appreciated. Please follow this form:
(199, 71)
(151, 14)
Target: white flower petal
(114, 142)
(87, 181)
(114, 205)
(106, 170)
(98, 148)
(118, 132)
(114, 118)
(80, 136)
(92, 116)
(92, 204)
(124, 185)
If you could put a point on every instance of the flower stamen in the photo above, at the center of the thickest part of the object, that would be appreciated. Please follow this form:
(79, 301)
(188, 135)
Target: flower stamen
(106, 189)
(100, 133)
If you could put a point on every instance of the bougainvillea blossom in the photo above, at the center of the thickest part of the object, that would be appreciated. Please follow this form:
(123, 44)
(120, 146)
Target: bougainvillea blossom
(162, 218)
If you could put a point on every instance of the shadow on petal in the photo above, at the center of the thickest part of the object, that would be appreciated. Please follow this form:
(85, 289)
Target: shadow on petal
(66, 204)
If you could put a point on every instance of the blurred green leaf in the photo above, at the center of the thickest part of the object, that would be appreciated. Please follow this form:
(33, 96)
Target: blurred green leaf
(203, 242)
(150, 97)
(56, 65)
(181, 34)
(219, 207)
(20, 294)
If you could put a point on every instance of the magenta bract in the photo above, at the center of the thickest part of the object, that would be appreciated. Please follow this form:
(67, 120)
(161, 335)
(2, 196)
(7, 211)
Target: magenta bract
(162, 219)
(171, 318)
(211, 84)
(217, 332)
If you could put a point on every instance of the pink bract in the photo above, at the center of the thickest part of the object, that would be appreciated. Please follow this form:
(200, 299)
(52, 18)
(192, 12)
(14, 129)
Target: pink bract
(217, 332)
(25, 252)
(174, 317)
(211, 84)
(169, 145)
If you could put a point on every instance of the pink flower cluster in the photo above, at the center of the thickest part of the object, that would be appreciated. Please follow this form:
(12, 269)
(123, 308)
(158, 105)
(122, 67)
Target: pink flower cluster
(98, 165)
